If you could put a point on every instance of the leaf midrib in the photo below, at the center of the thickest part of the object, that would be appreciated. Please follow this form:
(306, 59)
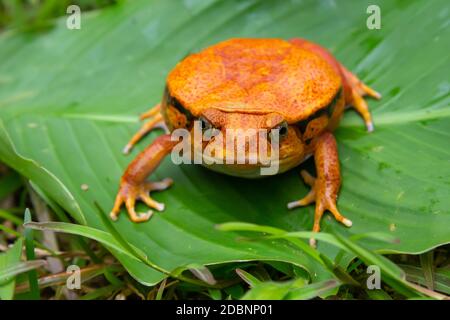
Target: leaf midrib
(390, 118)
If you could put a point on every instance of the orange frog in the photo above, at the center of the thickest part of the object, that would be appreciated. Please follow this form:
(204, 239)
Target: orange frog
(294, 87)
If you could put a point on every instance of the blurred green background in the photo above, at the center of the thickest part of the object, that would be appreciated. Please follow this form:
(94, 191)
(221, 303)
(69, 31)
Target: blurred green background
(34, 14)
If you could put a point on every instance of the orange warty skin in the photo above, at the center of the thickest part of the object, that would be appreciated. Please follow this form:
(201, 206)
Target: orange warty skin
(294, 85)
(255, 76)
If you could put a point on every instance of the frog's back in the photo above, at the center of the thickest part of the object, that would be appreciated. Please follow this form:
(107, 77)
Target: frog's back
(255, 76)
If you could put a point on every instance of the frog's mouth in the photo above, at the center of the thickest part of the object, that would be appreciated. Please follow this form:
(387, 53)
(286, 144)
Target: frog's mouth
(252, 170)
(251, 164)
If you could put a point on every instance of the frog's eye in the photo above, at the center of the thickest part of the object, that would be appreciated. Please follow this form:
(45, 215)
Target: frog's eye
(172, 101)
(282, 129)
(204, 123)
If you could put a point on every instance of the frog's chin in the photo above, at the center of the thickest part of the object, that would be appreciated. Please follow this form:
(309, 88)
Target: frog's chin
(252, 170)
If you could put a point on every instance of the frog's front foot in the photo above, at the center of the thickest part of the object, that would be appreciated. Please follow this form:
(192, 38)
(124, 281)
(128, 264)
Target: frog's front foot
(325, 199)
(324, 188)
(129, 192)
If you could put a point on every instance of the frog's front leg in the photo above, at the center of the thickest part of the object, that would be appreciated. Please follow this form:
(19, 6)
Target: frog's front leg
(324, 188)
(133, 185)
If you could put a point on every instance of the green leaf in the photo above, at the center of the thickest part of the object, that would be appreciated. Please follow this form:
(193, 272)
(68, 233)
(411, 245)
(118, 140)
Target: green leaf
(289, 290)
(69, 101)
(378, 294)
(215, 294)
(251, 280)
(8, 259)
(312, 290)
(35, 172)
(270, 290)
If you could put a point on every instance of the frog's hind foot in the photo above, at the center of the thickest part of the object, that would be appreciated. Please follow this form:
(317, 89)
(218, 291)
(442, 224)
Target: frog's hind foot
(358, 90)
(156, 121)
(129, 193)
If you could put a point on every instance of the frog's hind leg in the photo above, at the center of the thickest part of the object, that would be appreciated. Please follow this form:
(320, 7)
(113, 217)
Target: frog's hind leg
(324, 188)
(357, 90)
(156, 121)
(354, 88)
(151, 113)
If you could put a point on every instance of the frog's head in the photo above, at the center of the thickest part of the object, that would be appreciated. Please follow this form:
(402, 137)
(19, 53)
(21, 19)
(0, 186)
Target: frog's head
(237, 141)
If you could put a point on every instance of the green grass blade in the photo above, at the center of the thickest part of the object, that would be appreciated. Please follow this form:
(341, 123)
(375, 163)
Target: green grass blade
(251, 280)
(6, 274)
(8, 259)
(416, 275)
(426, 261)
(100, 293)
(88, 232)
(313, 290)
(391, 273)
(242, 226)
(378, 294)
(10, 217)
(29, 250)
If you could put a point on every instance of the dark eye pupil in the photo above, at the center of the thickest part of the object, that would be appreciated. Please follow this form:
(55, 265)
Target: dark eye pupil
(282, 129)
(204, 124)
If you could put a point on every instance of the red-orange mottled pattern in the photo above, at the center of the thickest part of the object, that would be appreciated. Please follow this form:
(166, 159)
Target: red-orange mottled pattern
(255, 76)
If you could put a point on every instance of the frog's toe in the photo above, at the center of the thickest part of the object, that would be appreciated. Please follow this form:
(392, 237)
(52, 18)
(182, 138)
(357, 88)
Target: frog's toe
(308, 178)
(154, 186)
(369, 91)
(151, 203)
(128, 194)
(331, 206)
(361, 88)
(114, 214)
(134, 216)
(308, 199)
(158, 185)
(362, 108)
(324, 203)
